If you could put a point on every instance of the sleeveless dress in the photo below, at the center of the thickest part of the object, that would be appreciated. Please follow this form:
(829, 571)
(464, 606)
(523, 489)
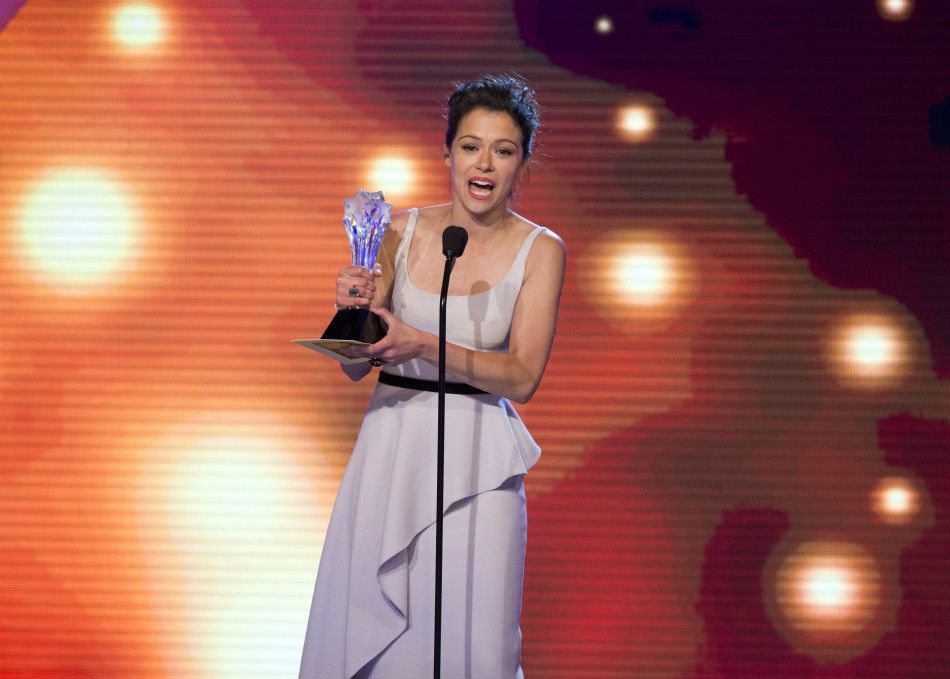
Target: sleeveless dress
(372, 610)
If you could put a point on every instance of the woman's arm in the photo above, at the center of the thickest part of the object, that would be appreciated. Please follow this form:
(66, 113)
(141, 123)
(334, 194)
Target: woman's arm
(517, 373)
(375, 286)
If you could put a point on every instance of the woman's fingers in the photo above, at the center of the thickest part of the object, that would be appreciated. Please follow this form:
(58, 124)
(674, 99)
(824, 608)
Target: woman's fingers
(401, 343)
(363, 282)
(386, 316)
(381, 349)
(355, 286)
(353, 293)
(363, 272)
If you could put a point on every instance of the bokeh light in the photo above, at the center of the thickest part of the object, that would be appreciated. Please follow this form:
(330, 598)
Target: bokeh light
(637, 275)
(871, 347)
(828, 589)
(392, 175)
(234, 515)
(870, 350)
(825, 597)
(646, 274)
(636, 122)
(77, 228)
(604, 25)
(138, 25)
(895, 10)
(896, 500)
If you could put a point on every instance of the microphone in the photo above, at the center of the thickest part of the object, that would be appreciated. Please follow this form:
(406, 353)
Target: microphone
(454, 240)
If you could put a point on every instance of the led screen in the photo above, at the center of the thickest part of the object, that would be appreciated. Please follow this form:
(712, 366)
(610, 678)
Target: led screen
(745, 416)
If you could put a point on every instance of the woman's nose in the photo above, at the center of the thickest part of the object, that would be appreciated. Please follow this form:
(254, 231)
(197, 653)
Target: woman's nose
(484, 161)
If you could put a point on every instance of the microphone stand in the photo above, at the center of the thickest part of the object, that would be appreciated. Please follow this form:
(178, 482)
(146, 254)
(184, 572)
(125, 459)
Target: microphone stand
(440, 471)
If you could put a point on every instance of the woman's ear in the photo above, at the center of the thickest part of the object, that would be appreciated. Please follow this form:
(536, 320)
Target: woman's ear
(446, 156)
(523, 170)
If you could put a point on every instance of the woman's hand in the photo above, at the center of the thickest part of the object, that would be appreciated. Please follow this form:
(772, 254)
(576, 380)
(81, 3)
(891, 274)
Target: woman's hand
(401, 343)
(356, 286)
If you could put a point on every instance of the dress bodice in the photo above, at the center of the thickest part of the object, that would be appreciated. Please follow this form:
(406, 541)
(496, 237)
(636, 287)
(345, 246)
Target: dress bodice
(480, 321)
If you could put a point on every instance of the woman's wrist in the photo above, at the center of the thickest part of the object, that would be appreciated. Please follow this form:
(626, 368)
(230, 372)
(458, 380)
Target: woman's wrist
(429, 348)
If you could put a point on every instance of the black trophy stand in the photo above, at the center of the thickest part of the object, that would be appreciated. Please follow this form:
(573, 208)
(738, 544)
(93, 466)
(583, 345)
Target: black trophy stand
(454, 239)
(355, 323)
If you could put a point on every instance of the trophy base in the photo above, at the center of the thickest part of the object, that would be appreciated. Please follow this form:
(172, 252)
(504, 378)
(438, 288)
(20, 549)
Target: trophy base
(358, 324)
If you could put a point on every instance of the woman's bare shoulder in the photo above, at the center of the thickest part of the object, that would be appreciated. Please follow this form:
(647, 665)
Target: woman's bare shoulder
(434, 214)
(548, 247)
(435, 210)
(398, 224)
(548, 240)
(428, 215)
(547, 252)
(431, 220)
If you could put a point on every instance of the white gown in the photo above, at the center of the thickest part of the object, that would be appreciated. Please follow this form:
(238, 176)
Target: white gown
(372, 610)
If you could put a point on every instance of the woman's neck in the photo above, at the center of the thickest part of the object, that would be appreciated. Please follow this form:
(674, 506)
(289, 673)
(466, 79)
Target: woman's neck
(493, 221)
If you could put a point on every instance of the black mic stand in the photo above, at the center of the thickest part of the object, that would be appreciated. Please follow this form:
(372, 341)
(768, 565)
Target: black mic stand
(453, 244)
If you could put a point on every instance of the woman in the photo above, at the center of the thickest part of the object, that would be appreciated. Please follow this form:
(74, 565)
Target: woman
(372, 612)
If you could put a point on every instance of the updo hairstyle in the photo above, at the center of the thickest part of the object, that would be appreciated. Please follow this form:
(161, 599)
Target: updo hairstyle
(510, 94)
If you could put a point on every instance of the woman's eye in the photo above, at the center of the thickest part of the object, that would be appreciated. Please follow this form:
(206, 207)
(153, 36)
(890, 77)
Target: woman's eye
(506, 152)
(469, 147)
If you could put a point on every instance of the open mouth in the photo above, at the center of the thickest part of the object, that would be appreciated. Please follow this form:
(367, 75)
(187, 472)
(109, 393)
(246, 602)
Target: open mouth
(480, 188)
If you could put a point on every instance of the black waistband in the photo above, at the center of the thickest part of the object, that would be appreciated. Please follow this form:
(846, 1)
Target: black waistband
(427, 385)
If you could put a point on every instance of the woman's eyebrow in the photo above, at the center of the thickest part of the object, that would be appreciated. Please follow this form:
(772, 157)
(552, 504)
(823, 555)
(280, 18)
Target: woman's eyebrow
(477, 138)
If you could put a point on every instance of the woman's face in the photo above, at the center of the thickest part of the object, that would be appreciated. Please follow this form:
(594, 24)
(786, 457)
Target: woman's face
(486, 160)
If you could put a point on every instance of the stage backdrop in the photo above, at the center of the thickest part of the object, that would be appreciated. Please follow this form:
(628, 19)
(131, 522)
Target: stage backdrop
(745, 417)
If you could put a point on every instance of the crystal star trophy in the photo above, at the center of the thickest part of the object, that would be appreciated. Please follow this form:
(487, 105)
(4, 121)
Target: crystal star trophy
(366, 216)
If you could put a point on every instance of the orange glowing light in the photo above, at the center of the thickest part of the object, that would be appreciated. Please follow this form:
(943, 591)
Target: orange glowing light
(138, 25)
(638, 275)
(871, 347)
(646, 274)
(228, 515)
(636, 122)
(827, 588)
(825, 597)
(76, 228)
(896, 500)
(870, 350)
(392, 175)
(895, 10)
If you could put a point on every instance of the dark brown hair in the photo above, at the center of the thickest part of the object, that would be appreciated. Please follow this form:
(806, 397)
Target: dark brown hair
(510, 94)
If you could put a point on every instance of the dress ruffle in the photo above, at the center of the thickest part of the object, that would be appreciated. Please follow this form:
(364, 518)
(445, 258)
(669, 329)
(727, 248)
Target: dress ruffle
(386, 499)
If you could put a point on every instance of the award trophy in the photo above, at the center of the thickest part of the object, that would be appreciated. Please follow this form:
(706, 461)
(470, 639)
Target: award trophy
(366, 216)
